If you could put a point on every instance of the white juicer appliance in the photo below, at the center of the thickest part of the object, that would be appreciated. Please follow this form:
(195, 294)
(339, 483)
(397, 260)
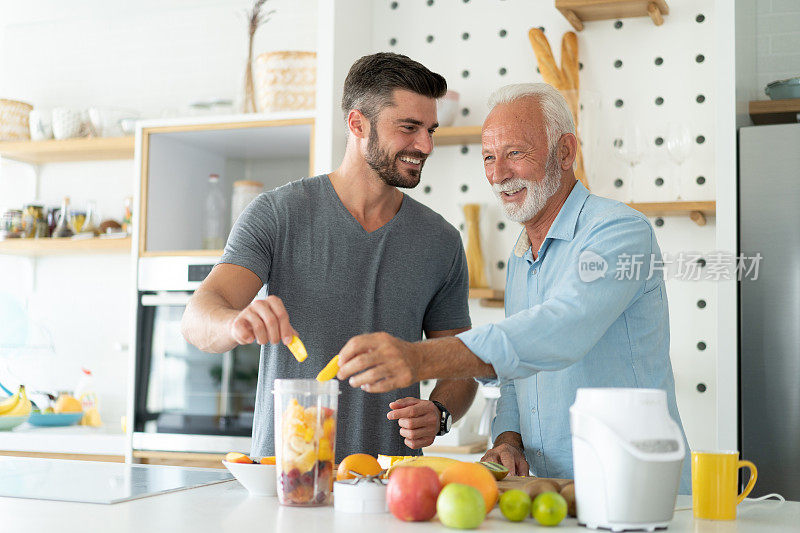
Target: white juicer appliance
(627, 458)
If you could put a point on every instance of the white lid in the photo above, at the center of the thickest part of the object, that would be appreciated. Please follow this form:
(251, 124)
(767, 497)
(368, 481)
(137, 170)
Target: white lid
(362, 497)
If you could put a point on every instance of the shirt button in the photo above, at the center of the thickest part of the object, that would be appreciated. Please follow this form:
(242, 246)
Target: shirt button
(533, 409)
(535, 270)
(539, 453)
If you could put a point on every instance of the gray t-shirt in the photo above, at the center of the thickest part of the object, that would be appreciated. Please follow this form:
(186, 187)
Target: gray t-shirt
(337, 281)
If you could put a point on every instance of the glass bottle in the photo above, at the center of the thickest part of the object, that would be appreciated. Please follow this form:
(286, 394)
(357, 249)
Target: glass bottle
(63, 229)
(90, 224)
(214, 227)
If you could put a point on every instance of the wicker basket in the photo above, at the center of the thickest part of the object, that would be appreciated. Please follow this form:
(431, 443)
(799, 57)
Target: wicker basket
(14, 120)
(286, 81)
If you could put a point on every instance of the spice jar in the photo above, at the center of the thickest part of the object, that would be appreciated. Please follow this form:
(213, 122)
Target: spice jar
(11, 224)
(244, 191)
(34, 224)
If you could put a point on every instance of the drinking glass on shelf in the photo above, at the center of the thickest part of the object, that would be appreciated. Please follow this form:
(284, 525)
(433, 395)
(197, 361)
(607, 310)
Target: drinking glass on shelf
(76, 219)
(629, 144)
(679, 146)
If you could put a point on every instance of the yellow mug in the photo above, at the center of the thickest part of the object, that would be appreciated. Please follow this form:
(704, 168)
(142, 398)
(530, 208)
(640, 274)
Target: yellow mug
(714, 481)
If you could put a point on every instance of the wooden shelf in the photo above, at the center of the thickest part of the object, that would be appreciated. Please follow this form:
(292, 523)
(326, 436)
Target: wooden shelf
(37, 247)
(697, 211)
(94, 149)
(457, 135)
(579, 11)
(775, 111)
(488, 297)
(183, 253)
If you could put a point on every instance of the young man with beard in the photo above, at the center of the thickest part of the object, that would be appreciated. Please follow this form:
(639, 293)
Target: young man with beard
(567, 326)
(343, 254)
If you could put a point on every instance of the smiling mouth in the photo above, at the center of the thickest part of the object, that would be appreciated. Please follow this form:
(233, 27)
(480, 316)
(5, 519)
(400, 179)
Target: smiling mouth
(512, 194)
(410, 160)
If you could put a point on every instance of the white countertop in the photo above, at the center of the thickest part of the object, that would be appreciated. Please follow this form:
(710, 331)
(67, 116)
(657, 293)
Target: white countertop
(228, 507)
(68, 439)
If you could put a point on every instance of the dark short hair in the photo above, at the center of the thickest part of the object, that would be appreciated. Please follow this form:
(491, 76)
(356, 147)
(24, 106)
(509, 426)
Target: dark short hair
(372, 80)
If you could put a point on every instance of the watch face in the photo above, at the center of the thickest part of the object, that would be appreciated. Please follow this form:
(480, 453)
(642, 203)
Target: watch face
(448, 423)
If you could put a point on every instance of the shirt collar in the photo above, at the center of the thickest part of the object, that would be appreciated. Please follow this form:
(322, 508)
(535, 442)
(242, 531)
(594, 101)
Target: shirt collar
(563, 226)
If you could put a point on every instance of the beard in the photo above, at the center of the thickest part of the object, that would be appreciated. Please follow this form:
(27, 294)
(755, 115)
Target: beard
(382, 162)
(537, 195)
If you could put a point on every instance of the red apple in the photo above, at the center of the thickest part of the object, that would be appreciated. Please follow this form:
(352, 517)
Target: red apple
(412, 493)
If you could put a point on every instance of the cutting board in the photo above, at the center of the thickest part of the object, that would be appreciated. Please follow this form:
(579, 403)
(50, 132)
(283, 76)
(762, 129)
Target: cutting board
(517, 482)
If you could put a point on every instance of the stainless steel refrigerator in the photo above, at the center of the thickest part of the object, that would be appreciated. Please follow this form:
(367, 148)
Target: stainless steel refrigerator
(769, 306)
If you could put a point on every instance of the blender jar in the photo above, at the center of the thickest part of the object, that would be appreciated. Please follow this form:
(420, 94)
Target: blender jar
(305, 440)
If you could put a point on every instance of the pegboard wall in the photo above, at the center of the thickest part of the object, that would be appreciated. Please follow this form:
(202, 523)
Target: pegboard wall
(633, 72)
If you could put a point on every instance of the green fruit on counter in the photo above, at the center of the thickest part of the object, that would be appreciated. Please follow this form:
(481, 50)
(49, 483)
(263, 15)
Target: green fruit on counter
(460, 506)
(515, 505)
(549, 508)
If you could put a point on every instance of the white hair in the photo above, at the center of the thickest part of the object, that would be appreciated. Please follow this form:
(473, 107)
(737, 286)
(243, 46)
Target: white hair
(557, 116)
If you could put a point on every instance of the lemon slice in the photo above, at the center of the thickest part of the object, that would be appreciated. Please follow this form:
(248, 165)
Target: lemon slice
(330, 370)
(297, 349)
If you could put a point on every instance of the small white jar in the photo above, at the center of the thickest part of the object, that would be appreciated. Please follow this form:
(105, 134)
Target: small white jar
(244, 192)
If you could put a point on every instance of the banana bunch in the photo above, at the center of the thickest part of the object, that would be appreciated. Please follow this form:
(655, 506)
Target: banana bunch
(16, 405)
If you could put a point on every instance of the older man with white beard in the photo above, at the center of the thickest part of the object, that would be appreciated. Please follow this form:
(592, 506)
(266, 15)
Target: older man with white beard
(585, 300)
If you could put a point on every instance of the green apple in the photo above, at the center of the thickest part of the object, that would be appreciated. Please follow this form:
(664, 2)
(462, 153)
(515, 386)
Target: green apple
(461, 506)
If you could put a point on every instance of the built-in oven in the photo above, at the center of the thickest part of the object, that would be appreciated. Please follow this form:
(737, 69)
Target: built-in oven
(186, 399)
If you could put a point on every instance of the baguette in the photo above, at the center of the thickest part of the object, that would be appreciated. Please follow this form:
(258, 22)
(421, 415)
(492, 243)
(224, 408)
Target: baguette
(544, 57)
(476, 268)
(570, 65)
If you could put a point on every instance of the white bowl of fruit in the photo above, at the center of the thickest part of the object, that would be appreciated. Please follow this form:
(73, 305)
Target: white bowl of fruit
(258, 477)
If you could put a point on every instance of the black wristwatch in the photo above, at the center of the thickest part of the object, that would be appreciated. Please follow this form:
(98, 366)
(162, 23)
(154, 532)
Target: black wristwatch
(445, 420)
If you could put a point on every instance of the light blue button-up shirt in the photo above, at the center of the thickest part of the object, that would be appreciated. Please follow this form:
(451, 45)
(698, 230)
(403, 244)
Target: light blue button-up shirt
(589, 311)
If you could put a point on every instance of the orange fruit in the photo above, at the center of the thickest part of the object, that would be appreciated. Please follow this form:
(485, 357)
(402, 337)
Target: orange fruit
(236, 457)
(268, 460)
(67, 404)
(476, 476)
(364, 464)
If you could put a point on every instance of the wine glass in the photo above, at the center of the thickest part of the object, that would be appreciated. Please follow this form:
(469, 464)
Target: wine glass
(629, 144)
(679, 146)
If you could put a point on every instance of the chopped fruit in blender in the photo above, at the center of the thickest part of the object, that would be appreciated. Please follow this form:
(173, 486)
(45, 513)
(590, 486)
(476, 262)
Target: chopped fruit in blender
(306, 461)
(306, 458)
(236, 457)
(298, 349)
(325, 450)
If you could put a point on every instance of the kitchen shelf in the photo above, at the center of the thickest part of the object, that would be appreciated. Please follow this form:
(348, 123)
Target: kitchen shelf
(87, 149)
(579, 11)
(488, 297)
(697, 211)
(775, 111)
(37, 247)
(184, 253)
(448, 136)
